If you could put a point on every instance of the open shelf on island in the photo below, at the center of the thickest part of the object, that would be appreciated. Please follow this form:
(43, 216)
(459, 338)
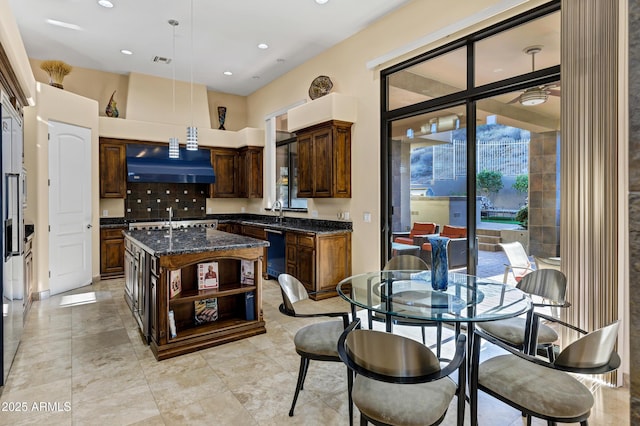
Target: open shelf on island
(224, 290)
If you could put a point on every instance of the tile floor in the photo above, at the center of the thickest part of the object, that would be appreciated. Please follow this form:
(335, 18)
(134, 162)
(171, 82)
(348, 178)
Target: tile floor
(86, 364)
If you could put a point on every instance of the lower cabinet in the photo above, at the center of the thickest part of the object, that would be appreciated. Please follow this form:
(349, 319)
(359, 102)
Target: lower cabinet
(319, 261)
(259, 233)
(111, 252)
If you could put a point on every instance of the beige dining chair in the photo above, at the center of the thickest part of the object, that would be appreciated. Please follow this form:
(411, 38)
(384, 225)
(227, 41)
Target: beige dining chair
(404, 384)
(318, 341)
(551, 286)
(540, 388)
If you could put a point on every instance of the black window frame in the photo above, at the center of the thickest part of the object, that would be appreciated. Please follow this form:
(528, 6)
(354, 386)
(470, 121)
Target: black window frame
(467, 97)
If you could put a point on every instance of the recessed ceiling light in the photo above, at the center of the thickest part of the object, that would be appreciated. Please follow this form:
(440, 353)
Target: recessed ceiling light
(63, 24)
(126, 52)
(321, 1)
(256, 77)
(263, 46)
(227, 73)
(280, 60)
(105, 3)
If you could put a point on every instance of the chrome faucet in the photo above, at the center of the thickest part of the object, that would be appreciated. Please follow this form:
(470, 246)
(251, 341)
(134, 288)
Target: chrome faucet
(278, 206)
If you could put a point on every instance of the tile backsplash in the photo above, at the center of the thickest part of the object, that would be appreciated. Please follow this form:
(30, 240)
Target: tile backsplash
(152, 200)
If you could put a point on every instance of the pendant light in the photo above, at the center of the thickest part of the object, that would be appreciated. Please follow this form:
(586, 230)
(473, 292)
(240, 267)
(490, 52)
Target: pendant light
(174, 143)
(192, 131)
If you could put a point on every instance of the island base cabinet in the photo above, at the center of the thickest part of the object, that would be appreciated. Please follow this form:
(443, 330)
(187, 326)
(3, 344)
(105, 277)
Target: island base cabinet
(193, 318)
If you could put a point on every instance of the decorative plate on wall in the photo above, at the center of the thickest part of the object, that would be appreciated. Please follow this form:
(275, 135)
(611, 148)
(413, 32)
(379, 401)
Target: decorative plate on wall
(320, 86)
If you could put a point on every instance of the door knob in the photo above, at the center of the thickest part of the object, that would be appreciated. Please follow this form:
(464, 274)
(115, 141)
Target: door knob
(89, 226)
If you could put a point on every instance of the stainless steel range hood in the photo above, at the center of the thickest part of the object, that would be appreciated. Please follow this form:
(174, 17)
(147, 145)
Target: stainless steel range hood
(148, 163)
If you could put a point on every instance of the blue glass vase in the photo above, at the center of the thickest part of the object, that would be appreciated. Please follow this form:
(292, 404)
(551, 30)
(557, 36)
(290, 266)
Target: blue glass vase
(439, 263)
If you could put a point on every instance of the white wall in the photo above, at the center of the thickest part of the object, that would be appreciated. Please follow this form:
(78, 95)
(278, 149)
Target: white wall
(78, 111)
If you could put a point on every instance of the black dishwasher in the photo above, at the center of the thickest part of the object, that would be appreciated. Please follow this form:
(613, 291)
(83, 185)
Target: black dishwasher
(275, 253)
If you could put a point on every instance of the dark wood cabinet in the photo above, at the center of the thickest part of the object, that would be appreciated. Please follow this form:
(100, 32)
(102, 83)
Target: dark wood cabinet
(259, 233)
(319, 261)
(113, 169)
(238, 172)
(324, 160)
(230, 227)
(250, 172)
(111, 252)
(225, 165)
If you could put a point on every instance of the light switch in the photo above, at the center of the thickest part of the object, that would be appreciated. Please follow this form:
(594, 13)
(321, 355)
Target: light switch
(367, 217)
(314, 213)
(105, 213)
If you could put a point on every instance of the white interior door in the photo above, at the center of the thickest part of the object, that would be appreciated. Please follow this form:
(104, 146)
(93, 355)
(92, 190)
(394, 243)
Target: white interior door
(69, 207)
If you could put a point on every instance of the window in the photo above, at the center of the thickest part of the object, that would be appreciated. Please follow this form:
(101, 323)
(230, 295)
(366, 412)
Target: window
(287, 167)
(474, 144)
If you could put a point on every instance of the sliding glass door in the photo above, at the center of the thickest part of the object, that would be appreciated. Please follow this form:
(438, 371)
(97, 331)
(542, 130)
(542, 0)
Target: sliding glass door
(470, 141)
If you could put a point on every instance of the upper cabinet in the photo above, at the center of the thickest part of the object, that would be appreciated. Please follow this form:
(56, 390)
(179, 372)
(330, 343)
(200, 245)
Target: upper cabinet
(225, 164)
(250, 172)
(324, 160)
(113, 169)
(238, 172)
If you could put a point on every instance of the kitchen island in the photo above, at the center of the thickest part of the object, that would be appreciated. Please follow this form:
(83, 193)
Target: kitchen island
(177, 308)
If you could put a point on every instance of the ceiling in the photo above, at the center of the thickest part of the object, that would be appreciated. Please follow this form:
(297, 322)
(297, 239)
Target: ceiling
(225, 35)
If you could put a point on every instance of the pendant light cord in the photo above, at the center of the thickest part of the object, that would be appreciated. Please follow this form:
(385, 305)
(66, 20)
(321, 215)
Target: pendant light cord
(173, 68)
(191, 68)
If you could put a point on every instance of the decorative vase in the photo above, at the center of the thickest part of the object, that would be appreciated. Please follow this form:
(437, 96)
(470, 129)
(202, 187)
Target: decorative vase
(439, 263)
(112, 109)
(222, 115)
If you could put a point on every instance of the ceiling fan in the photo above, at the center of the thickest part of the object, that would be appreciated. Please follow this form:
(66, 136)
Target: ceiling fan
(535, 95)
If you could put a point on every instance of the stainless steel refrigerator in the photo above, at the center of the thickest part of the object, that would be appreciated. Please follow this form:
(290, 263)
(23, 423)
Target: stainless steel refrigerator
(12, 234)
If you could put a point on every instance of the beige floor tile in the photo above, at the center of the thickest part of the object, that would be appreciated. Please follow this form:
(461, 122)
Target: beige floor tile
(92, 356)
(88, 388)
(24, 376)
(173, 391)
(97, 341)
(129, 406)
(173, 366)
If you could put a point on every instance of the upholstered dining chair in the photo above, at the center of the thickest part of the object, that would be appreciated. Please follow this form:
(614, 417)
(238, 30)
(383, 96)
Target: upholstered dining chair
(519, 263)
(318, 341)
(551, 286)
(406, 262)
(404, 383)
(539, 388)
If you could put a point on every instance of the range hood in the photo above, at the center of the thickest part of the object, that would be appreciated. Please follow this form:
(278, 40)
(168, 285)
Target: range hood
(148, 163)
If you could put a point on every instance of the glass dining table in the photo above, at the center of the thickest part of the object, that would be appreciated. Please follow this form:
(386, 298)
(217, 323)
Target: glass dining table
(409, 294)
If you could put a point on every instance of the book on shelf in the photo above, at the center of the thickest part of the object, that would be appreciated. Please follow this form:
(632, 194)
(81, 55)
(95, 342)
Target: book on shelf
(175, 282)
(207, 275)
(172, 325)
(247, 272)
(250, 306)
(206, 310)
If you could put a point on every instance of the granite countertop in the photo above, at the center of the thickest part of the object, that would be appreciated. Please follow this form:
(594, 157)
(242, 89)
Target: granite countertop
(290, 224)
(315, 226)
(190, 240)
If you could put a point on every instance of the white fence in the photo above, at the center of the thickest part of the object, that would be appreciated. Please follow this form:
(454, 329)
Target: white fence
(507, 156)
